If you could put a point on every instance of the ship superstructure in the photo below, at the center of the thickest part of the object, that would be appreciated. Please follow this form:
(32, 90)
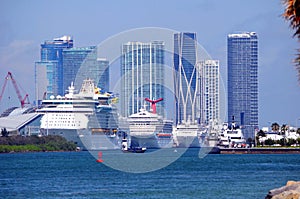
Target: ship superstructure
(231, 136)
(186, 135)
(88, 118)
(150, 130)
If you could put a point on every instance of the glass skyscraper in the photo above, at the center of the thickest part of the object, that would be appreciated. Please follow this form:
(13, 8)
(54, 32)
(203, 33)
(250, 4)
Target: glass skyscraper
(142, 76)
(185, 77)
(92, 67)
(49, 71)
(243, 80)
(209, 91)
(44, 78)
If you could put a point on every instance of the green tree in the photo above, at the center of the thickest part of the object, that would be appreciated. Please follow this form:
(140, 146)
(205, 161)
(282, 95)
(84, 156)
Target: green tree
(4, 132)
(269, 142)
(281, 142)
(291, 141)
(298, 140)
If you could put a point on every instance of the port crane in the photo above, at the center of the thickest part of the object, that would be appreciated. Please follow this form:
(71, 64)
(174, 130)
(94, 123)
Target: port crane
(24, 100)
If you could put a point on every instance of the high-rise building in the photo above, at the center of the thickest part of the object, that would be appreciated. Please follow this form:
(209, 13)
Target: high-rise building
(142, 76)
(92, 67)
(185, 77)
(243, 80)
(209, 91)
(44, 79)
(49, 71)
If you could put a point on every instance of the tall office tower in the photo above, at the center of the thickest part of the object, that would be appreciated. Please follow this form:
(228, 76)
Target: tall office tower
(49, 71)
(209, 91)
(84, 58)
(185, 80)
(243, 80)
(142, 71)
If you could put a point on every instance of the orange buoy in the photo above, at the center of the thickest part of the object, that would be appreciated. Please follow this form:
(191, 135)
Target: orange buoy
(99, 157)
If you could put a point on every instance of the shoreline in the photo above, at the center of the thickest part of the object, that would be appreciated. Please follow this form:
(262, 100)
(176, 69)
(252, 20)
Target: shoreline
(272, 150)
(212, 150)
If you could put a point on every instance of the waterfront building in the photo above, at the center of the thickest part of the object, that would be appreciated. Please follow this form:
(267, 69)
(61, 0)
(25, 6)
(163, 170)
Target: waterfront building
(209, 91)
(242, 57)
(49, 71)
(92, 67)
(142, 72)
(185, 77)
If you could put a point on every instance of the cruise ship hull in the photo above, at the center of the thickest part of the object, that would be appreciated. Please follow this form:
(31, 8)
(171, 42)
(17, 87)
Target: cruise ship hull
(186, 136)
(187, 141)
(149, 142)
(85, 140)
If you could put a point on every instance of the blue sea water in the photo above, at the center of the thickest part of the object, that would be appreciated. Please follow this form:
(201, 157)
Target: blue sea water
(78, 175)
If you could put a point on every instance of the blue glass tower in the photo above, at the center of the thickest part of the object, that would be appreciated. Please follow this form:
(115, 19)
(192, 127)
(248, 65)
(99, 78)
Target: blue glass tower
(49, 70)
(142, 76)
(74, 58)
(185, 77)
(243, 80)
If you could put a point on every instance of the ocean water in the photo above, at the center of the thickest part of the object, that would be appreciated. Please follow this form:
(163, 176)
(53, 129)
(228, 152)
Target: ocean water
(78, 175)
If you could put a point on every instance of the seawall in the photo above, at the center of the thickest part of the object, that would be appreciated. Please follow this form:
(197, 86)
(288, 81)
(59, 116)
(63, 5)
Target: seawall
(281, 150)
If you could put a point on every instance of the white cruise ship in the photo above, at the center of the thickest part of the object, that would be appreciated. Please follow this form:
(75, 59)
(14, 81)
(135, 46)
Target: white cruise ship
(88, 118)
(148, 129)
(186, 135)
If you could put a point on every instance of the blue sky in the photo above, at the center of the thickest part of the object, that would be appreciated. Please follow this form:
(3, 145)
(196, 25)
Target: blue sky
(24, 25)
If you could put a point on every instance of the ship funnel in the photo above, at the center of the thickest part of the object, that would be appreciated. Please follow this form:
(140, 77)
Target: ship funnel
(153, 103)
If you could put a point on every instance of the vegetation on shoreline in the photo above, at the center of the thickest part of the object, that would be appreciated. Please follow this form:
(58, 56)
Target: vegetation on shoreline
(35, 144)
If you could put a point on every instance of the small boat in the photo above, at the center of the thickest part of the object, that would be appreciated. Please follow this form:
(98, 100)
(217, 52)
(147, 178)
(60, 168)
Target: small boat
(131, 149)
(135, 150)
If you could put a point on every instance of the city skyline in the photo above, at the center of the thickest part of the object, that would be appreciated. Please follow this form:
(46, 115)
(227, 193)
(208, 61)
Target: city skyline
(279, 89)
(49, 70)
(61, 63)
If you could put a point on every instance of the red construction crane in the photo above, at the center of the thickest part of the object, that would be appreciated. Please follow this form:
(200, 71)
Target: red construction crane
(153, 103)
(22, 100)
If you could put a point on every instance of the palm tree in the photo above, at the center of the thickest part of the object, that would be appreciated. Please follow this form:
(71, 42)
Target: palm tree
(261, 133)
(292, 14)
(275, 127)
(284, 128)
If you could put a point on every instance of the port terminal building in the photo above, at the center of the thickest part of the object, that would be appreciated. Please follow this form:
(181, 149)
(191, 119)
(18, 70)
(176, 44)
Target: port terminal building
(20, 121)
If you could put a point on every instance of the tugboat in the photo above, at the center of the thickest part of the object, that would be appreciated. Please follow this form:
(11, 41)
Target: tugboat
(131, 149)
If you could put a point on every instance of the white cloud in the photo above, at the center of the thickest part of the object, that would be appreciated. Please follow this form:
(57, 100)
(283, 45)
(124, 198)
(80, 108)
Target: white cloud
(18, 57)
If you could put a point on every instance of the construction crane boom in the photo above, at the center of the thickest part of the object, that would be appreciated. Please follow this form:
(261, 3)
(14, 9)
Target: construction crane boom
(22, 100)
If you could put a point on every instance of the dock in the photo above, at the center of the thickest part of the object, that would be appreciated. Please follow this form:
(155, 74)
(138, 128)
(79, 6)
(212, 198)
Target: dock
(271, 150)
